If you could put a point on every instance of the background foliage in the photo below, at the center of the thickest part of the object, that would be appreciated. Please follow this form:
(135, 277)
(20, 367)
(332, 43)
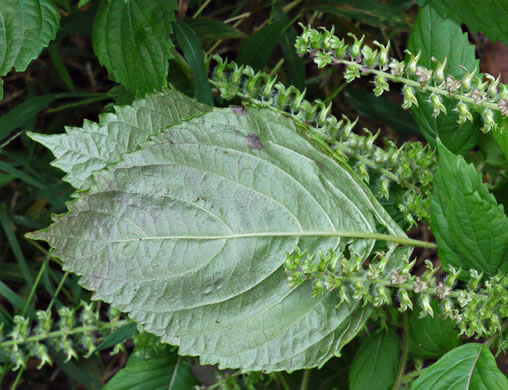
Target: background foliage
(93, 80)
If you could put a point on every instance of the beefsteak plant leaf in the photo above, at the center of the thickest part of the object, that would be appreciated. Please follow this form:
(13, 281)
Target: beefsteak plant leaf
(471, 229)
(468, 367)
(432, 337)
(375, 364)
(132, 40)
(163, 370)
(189, 233)
(83, 150)
(441, 38)
(26, 27)
(486, 16)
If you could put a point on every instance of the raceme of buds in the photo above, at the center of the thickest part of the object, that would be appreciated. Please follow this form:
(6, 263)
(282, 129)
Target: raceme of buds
(471, 90)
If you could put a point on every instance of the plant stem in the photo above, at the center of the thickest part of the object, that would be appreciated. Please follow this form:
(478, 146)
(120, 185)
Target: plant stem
(34, 287)
(493, 338)
(305, 380)
(58, 333)
(405, 352)
(198, 12)
(410, 376)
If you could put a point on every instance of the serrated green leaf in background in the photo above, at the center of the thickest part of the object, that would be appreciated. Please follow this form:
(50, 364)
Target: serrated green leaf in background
(189, 235)
(468, 367)
(294, 64)
(376, 361)
(189, 42)
(431, 337)
(81, 151)
(162, 371)
(501, 135)
(257, 49)
(441, 38)
(471, 229)
(487, 16)
(212, 30)
(26, 27)
(132, 40)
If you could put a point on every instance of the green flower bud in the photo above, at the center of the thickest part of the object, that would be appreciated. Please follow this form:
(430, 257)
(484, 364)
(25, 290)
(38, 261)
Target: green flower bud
(464, 113)
(352, 72)
(396, 67)
(356, 49)
(488, 120)
(426, 306)
(413, 62)
(437, 105)
(383, 53)
(381, 85)
(405, 301)
(370, 56)
(439, 73)
(409, 97)
(468, 78)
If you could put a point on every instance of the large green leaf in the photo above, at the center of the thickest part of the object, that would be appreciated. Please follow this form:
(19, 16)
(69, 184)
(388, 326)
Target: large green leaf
(26, 27)
(469, 367)
(432, 337)
(487, 16)
(132, 40)
(161, 371)
(189, 235)
(375, 364)
(81, 151)
(471, 229)
(441, 38)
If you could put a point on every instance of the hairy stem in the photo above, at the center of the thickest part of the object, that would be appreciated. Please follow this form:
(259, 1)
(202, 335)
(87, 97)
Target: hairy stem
(405, 352)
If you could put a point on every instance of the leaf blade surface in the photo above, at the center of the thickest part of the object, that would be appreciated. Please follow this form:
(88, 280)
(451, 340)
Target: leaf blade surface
(189, 234)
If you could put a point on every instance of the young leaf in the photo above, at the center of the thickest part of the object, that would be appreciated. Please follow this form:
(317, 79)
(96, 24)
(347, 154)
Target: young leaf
(441, 38)
(132, 40)
(193, 52)
(165, 370)
(189, 235)
(375, 364)
(486, 16)
(432, 337)
(257, 49)
(81, 151)
(471, 229)
(468, 367)
(26, 27)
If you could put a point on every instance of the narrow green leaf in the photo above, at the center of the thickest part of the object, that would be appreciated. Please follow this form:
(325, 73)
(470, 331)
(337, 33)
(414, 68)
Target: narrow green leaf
(256, 50)
(23, 176)
(188, 234)
(60, 67)
(193, 52)
(23, 113)
(441, 38)
(487, 16)
(26, 27)
(471, 229)
(14, 299)
(468, 367)
(132, 40)
(294, 64)
(81, 151)
(431, 337)
(14, 244)
(165, 370)
(118, 336)
(213, 30)
(376, 361)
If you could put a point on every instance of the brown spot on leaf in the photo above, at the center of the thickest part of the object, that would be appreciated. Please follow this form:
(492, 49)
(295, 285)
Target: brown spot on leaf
(253, 142)
(240, 110)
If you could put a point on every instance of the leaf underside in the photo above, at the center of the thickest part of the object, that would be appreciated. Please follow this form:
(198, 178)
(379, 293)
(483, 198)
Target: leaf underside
(188, 234)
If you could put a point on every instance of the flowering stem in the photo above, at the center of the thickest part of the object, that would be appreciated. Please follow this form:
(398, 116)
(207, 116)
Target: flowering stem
(58, 333)
(415, 83)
